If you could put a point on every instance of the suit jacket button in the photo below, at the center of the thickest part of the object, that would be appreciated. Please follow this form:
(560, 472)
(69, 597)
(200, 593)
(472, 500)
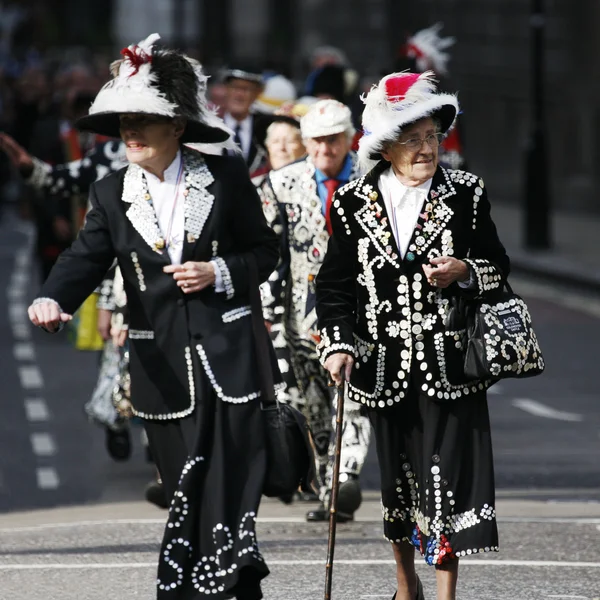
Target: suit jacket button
(180, 302)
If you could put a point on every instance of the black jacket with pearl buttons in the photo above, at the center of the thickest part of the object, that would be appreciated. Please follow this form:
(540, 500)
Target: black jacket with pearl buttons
(172, 335)
(379, 307)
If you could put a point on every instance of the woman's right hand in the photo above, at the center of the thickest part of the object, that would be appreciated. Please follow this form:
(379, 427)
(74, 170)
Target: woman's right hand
(47, 315)
(338, 362)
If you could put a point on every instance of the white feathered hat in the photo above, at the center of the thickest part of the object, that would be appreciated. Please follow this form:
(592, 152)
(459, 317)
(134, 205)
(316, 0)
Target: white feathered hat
(396, 101)
(428, 49)
(159, 81)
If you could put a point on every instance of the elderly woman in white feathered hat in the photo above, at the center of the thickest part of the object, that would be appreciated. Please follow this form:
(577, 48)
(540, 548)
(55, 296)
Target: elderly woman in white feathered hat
(409, 238)
(183, 225)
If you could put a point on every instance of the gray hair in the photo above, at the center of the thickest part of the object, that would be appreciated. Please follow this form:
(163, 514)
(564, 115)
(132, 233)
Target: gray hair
(271, 127)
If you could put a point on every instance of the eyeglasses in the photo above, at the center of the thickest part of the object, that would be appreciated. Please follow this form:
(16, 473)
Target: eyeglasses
(414, 144)
(133, 121)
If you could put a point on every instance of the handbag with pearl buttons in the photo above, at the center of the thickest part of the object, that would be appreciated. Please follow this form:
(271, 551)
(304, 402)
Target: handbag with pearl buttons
(501, 342)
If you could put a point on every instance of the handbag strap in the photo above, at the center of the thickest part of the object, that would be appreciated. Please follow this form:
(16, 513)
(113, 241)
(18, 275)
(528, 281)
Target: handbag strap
(261, 337)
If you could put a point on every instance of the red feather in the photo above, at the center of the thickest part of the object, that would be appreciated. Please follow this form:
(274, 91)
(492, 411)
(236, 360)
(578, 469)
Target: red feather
(397, 87)
(136, 57)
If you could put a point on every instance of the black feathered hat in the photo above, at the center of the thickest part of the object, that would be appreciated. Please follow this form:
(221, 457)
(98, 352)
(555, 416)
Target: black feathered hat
(159, 81)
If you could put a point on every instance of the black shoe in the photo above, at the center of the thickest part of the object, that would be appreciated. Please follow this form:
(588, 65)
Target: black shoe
(349, 496)
(155, 494)
(320, 514)
(287, 499)
(118, 444)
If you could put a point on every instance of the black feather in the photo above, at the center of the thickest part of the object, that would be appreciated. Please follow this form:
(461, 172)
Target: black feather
(177, 81)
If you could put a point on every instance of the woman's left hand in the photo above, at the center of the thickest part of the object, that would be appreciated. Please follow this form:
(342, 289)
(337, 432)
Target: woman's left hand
(445, 271)
(192, 276)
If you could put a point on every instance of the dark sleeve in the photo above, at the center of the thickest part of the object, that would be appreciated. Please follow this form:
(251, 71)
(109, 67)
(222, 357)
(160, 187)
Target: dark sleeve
(251, 233)
(336, 293)
(83, 266)
(75, 177)
(487, 260)
(274, 289)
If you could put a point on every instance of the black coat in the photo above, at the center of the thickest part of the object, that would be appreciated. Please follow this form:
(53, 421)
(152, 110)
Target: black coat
(173, 334)
(379, 307)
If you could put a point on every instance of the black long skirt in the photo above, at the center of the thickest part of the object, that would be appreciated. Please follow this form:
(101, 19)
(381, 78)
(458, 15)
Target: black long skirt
(437, 475)
(213, 466)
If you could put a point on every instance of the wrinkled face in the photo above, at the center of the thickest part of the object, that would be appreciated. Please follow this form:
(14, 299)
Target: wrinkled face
(149, 137)
(239, 97)
(417, 165)
(284, 144)
(329, 152)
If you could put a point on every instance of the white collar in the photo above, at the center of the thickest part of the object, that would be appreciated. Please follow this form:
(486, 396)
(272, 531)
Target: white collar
(399, 190)
(170, 174)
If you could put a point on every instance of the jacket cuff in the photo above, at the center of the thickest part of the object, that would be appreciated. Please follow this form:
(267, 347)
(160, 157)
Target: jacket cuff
(226, 281)
(335, 339)
(487, 275)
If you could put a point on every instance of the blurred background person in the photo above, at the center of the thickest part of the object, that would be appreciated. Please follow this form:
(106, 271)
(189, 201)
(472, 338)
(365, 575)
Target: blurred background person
(243, 87)
(427, 50)
(302, 193)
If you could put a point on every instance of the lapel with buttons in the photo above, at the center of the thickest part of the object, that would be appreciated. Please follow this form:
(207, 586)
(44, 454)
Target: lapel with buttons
(198, 203)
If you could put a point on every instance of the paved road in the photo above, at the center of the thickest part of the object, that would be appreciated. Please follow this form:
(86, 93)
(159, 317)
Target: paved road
(546, 434)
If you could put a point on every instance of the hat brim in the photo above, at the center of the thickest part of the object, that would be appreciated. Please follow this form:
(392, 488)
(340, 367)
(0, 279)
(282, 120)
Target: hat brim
(445, 114)
(244, 76)
(107, 123)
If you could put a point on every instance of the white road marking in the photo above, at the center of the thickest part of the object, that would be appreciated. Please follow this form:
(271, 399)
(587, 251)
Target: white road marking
(31, 377)
(267, 520)
(47, 478)
(21, 331)
(43, 444)
(36, 409)
(24, 351)
(541, 410)
(17, 312)
(15, 293)
(292, 563)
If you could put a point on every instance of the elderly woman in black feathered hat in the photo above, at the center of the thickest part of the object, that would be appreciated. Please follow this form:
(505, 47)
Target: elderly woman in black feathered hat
(183, 225)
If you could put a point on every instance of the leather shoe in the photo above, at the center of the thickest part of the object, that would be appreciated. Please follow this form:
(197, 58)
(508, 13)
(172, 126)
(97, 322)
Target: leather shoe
(320, 514)
(118, 444)
(155, 494)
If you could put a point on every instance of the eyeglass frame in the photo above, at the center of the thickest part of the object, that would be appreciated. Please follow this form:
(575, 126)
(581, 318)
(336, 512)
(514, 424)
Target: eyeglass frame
(439, 136)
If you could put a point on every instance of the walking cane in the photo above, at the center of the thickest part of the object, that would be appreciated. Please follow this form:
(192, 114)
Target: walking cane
(335, 484)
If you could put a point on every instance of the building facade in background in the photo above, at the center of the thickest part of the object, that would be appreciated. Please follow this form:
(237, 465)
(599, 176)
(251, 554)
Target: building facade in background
(490, 66)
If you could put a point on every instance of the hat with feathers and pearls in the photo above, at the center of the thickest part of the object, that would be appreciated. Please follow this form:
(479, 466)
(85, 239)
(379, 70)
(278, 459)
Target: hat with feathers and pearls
(399, 100)
(152, 79)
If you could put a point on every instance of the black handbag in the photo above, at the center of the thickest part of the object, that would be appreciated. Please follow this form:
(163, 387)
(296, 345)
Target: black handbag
(290, 455)
(501, 342)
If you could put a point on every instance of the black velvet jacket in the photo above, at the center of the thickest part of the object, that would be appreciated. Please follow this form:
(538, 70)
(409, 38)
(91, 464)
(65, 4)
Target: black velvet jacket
(173, 334)
(379, 307)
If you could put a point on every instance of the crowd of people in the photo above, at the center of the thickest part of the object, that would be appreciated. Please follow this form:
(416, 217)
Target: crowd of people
(346, 207)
